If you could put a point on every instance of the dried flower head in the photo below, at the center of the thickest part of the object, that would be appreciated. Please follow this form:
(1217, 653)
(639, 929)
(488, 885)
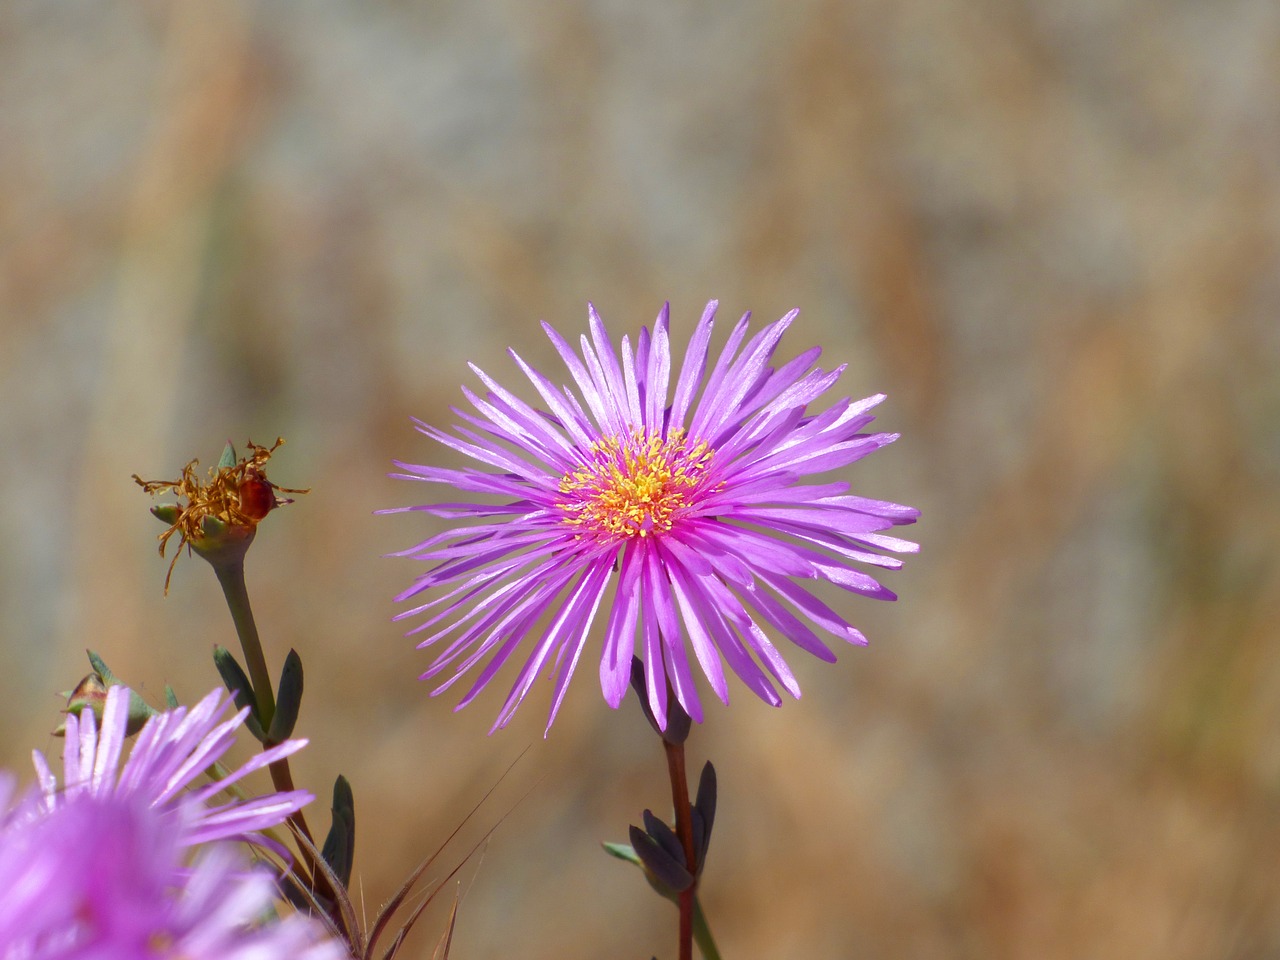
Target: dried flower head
(230, 504)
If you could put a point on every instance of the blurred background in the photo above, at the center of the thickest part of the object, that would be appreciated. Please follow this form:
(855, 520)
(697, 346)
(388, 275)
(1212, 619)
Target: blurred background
(1049, 231)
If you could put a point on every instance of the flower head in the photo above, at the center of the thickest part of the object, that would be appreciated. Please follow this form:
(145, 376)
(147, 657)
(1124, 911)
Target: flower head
(222, 513)
(694, 498)
(103, 877)
(172, 753)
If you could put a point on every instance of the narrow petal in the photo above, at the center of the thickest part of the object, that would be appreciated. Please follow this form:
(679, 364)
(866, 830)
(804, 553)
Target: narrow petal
(620, 637)
(693, 368)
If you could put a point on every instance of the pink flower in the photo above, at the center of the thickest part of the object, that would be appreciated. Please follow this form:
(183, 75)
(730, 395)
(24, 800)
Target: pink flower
(101, 877)
(166, 768)
(682, 513)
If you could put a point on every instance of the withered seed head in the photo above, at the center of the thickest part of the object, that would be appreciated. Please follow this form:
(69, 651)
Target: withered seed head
(236, 497)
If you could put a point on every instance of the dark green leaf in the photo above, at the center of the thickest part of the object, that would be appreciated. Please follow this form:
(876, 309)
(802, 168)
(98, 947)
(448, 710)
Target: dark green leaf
(665, 837)
(340, 845)
(660, 864)
(288, 699)
(236, 681)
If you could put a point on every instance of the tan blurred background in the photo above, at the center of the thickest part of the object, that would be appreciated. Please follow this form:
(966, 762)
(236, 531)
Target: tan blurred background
(1049, 231)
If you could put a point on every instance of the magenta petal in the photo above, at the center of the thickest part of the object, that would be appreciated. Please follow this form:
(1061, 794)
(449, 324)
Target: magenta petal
(592, 596)
(570, 618)
(703, 647)
(658, 605)
(658, 373)
(693, 368)
(620, 637)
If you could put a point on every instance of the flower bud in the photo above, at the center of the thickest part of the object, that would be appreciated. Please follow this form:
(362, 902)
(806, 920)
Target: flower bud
(91, 693)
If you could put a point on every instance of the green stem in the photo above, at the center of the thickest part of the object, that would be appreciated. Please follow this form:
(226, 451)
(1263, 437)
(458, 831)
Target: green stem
(230, 571)
(231, 577)
(702, 933)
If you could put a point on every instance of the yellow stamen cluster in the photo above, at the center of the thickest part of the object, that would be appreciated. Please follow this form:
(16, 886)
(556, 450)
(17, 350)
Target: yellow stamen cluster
(634, 486)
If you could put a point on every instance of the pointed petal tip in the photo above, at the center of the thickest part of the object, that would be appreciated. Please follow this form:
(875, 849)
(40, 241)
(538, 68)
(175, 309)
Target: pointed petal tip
(614, 691)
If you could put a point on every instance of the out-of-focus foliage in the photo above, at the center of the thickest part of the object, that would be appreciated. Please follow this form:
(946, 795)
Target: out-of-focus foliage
(1050, 231)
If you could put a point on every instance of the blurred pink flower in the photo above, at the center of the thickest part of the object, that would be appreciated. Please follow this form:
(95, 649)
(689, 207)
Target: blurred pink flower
(100, 877)
(694, 499)
(166, 768)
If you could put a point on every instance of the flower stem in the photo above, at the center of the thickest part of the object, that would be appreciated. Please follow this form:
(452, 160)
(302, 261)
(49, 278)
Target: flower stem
(230, 571)
(231, 578)
(684, 830)
(702, 933)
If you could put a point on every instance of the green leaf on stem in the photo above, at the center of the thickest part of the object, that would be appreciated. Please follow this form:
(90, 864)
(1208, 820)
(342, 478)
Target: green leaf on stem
(340, 845)
(236, 681)
(701, 931)
(288, 699)
(665, 837)
(622, 851)
(669, 873)
(704, 813)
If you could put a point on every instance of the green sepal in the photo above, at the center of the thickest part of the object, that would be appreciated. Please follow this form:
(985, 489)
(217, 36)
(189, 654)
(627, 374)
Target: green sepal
(233, 676)
(167, 513)
(228, 458)
(101, 669)
(288, 699)
(678, 723)
(212, 527)
(170, 698)
(340, 845)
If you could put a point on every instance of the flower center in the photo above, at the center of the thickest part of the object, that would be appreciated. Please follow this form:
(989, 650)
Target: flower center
(633, 486)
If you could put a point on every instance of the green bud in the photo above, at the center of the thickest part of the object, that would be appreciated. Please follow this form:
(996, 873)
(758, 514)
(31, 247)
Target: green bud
(91, 692)
(212, 527)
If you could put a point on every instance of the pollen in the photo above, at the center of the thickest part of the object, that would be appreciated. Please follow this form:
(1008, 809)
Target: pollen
(634, 486)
